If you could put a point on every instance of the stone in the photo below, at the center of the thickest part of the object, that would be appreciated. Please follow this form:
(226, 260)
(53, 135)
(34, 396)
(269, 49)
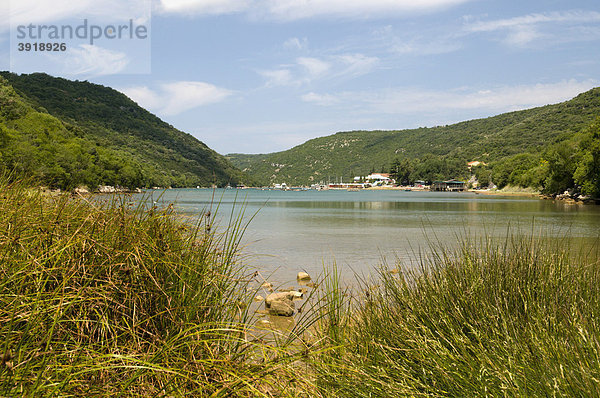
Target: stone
(282, 308)
(278, 296)
(281, 303)
(287, 289)
(81, 190)
(107, 189)
(303, 276)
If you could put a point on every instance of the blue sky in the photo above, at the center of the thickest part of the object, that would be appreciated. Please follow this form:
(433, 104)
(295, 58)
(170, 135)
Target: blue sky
(257, 76)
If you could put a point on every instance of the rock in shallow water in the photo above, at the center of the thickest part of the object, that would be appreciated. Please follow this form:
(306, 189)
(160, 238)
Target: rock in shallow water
(282, 308)
(281, 303)
(303, 276)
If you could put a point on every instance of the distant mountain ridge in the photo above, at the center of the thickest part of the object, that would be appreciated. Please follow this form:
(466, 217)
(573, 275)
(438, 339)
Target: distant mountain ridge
(69, 133)
(356, 153)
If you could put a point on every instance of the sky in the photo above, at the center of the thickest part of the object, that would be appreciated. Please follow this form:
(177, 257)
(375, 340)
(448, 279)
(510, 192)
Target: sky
(259, 76)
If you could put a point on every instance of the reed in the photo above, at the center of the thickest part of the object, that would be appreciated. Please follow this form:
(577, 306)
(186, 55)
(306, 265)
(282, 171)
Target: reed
(513, 318)
(121, 298)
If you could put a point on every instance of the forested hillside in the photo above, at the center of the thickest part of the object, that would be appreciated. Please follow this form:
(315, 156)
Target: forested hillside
(69, 133)
(438, 152)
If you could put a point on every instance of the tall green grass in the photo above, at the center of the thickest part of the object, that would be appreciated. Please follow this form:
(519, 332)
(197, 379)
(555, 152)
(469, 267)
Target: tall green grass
(517, 318)
(120, 299)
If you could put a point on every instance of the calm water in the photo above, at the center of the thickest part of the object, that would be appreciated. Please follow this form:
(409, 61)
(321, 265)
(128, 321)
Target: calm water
(294, 231)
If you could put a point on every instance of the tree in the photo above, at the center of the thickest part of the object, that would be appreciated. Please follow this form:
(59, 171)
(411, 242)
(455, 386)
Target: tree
(587, 174)
(401, 171)
(483, 175)
(516, 170)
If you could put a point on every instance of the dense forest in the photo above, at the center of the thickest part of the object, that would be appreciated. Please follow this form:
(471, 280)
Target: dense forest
(571, 166)
(548, 148)
(66, 134)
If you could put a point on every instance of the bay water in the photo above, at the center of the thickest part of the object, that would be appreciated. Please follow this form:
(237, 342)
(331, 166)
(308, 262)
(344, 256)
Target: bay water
(292, 231)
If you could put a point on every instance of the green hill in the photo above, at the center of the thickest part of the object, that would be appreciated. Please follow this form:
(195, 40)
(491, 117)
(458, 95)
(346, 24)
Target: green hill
(438, 152)
(69, 133)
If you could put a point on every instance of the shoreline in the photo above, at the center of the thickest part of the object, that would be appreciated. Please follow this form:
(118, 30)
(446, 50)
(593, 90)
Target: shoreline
(507, 193)
(108, 190)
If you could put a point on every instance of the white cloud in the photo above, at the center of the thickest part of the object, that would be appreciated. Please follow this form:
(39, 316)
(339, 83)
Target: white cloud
(314, 66)
(278, 77)
(306, 70)
(462, 101)
(534, 19)
(39, 11)
(23, 12)
(522, 36)
(91, 60)
(431, 40)
(144, 96)
(4, 15)
(356, 64)
(425, 47)
(209, 7)
(299, 9)
(295, 43)
(320, 99)
(500, 99)
(523, 30)
(178, 97)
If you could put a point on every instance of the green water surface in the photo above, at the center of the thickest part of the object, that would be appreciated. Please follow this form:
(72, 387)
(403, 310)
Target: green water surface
(303, 230)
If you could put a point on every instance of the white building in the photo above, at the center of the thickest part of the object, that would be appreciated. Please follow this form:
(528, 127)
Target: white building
(380, 179)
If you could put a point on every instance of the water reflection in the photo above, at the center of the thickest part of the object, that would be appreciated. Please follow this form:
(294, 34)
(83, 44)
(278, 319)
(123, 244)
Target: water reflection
(300, 231)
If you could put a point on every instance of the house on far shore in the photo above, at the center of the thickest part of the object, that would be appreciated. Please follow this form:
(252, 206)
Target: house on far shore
(451, 185)
(380, 179)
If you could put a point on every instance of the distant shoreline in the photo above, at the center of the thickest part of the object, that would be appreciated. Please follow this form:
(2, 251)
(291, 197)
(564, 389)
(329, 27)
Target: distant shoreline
(508, 193)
